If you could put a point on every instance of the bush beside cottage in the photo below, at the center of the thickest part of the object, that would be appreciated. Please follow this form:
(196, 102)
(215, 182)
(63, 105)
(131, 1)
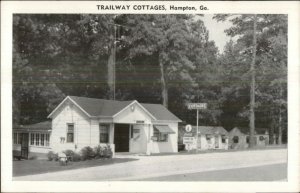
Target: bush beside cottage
(86, 153)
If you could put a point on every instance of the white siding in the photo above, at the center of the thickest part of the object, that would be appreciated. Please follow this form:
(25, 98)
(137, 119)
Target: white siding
(69, 113)
(212, 145)
(168, 146)
(127, 116)
(94, 132)
(138, 144)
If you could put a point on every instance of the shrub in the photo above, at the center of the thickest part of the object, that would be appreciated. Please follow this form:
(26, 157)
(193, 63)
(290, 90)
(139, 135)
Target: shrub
(51, 156)
(76, 157)
(107, 152)
(87, 153)
(69, 153)
(98, 152)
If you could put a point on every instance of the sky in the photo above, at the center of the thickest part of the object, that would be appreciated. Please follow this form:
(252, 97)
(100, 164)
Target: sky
(216, 30)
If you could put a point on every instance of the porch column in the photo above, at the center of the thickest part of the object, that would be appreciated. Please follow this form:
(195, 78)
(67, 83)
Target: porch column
(111, 133)
(149, 141)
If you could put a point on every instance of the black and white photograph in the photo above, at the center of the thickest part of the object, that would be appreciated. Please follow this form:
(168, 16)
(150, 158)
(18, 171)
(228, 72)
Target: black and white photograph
(150, 97)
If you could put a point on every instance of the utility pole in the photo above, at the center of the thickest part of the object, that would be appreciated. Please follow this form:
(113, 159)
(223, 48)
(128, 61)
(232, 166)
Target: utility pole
(114, 62)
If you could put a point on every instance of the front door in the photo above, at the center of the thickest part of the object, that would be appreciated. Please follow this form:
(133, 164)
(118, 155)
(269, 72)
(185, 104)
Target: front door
(121, 137)
(24, 145)
(217, 142)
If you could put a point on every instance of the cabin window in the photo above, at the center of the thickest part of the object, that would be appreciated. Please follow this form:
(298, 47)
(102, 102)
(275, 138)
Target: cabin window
(261, 138)
(235, 139)
(223, 138)
(42, 139)
(104, 133)
(32, 139)
(70, 133)
(37, 139)
(47, 139)
(208, 138)
(19, 138)
(15, 138)
(160, 137)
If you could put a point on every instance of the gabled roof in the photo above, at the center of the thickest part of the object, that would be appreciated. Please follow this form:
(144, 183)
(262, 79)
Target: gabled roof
(100, 107)
(43, 126)
(160, 112)
(212, 130)
(108, 108)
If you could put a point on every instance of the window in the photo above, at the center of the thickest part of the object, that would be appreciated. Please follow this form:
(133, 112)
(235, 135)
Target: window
(223, 138)
(42, 140)
(20, 138)
(247, 139)
(32, 139)
(104, 133)
(158, 136)
(15, 138)
(208, 138)
(37, 139)
(70, 133)
(47, 139)
(235, 139)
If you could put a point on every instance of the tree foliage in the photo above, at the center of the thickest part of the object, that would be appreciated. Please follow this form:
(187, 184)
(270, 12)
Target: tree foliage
(165, 59)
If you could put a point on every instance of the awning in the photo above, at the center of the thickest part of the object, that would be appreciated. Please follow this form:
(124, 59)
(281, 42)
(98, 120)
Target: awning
(164, 129)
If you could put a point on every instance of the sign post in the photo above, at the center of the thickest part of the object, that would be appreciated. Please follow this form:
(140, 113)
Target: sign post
(188, 138)
(197, 106)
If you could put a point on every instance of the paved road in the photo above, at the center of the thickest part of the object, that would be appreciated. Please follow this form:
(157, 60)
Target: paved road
(159, 166)
(274, 172)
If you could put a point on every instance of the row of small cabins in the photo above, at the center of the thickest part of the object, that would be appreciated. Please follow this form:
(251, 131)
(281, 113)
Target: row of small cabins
(127, 126)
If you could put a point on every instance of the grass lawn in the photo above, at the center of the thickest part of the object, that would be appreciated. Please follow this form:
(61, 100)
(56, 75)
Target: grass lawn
(29, 167)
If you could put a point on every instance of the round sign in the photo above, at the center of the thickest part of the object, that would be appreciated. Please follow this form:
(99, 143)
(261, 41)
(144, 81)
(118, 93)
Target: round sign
(188, 128)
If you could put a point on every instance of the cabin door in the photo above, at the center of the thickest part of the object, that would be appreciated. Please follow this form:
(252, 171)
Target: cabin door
(121, 138)
(217, 142)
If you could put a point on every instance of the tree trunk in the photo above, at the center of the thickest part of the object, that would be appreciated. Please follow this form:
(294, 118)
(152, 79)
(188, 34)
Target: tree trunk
(280, 122)
(110, 74)
(111, 69)
(252, 87)
(164, 89)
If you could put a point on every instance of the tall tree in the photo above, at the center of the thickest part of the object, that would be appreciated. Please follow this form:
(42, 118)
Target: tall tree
(260, 56)
(165, 37)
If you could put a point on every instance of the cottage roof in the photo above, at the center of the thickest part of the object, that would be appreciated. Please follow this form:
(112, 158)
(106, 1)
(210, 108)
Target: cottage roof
(211, 130)
(41, 126)
(100, 107)
(109, 108)
(160, 112)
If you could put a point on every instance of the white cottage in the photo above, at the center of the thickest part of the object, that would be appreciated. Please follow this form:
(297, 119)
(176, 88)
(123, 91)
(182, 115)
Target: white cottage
(128, 126)
(209, 137)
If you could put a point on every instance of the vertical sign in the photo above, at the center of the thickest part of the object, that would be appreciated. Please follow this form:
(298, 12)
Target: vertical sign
(197, 106)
